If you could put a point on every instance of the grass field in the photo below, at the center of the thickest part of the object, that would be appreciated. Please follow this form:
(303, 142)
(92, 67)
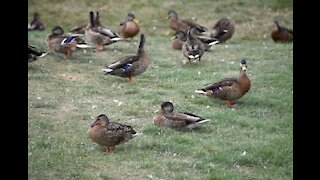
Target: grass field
(64, 96)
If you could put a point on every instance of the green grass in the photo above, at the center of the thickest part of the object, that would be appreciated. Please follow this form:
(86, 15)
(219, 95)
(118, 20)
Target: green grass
(64, 96)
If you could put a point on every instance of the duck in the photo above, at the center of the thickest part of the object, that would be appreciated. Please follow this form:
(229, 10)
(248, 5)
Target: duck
(180, 37)
(35, 53)
(110, 134)
(80, 29)
(130, 66)
(229, 89)
(281, 34)
(222, 30)
(129, 27)
(36, 23)
(63, 43)
(99, 36)
(182, 24)
(166, 117)
(192, 48)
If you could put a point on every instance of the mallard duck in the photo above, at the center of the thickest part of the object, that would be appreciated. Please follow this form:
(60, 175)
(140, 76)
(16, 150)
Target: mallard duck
(281, 34)
(129, 27)
(229, 89)
(178, 120)
(34, 53)
(99, 36)
(130, 66)
(36, 23)
(192, 48)
(110, 134)
(180, 37)
(63, 43)
(182, 24)
(222, 30)
(80, 29)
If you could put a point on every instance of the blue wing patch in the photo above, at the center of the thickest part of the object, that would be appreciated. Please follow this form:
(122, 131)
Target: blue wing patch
(126, 67)
(216, 89)
(67, 40)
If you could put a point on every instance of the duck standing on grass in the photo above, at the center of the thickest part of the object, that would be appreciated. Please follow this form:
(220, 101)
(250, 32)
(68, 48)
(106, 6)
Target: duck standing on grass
(229, 89)
(99, 36)
(36, 23)
(110, 134)
(182, 24)
(130, 66)
(129, 27)
(281, 34)
(64, 43)
(192, 48)
(177, 120)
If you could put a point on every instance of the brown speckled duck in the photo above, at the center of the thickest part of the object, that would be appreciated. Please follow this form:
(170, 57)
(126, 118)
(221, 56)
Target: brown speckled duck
(178, 39)
(99, 36)
(63, 43)
(130, 66)
(223, 30)
(229, 89)
(192, 48)
(165, 117)
(35, 53)
(129, 27)
(110, 134)
(182, 24)
(281, 34)
(36, 23)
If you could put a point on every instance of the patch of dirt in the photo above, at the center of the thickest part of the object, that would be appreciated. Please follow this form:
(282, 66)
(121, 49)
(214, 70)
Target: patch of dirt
(72, 76)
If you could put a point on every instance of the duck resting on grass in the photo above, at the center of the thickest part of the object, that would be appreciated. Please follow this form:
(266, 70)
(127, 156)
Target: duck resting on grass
(35, 53)
(177, 120)
(36, 23)
(130, 66)
(229, 89)
(110, 134)
(281, 34)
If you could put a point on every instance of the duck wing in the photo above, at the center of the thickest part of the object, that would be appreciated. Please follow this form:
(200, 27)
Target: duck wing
(220, 84)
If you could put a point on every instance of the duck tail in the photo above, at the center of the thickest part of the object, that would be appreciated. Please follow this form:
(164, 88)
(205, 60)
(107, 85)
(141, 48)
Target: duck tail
(203, 121)
(107, 70)
(137, 134)
(200, 91)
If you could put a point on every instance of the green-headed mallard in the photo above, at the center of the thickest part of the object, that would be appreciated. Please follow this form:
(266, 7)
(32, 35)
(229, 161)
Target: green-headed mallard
(99, 36)
(192, 48)
(130, 66)
(63, 43)
(229, 89)
(36, 23)
(178, 120)
(129, 27)
(110, 134)
(35, 53)
(281, 34)
(182, 24)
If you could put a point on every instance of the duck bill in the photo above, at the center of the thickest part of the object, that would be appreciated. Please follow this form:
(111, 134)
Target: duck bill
(136, 21)
(174, 37)
(94, 123)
